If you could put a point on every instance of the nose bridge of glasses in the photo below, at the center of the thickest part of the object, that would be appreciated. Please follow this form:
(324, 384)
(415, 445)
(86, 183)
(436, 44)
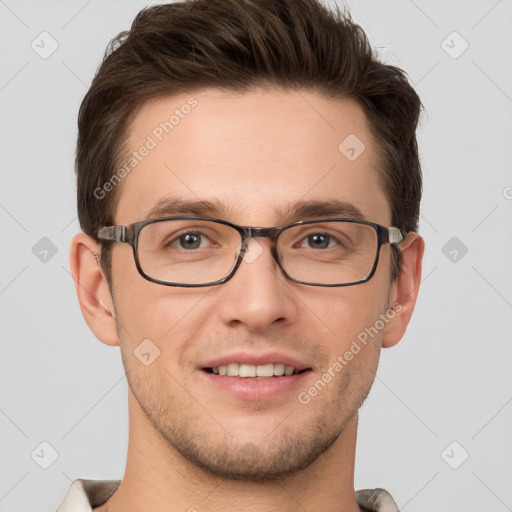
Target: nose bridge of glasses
(251, 233)
(262, 232)
(255, 232)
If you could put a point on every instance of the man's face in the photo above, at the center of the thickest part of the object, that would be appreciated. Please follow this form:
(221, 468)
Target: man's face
(256, 154)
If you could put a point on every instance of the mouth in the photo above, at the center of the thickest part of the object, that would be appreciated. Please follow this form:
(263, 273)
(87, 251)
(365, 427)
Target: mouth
(262, 371)
(251, 377)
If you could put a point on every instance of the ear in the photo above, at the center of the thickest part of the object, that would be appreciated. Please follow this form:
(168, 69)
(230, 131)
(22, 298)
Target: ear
(92, 289)
(404, 290)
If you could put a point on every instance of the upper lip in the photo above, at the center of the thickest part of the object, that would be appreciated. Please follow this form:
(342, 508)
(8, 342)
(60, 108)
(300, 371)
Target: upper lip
(256, 360)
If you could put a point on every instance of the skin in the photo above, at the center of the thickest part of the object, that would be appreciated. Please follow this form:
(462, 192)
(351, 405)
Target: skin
(192, 446)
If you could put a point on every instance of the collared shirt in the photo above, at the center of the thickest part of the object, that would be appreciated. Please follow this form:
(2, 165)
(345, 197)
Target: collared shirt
(83, 495)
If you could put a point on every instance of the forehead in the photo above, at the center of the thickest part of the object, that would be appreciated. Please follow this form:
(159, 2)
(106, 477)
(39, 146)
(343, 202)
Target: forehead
(254, 154)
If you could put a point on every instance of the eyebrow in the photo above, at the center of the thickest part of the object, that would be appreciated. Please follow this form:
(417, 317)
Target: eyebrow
(168, 206)
(319, 209)
(301, 210)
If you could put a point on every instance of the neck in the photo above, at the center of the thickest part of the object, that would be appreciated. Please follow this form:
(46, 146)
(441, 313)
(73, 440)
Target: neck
(158, 475)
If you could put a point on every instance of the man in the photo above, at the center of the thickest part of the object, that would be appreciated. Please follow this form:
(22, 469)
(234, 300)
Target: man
(248, 188)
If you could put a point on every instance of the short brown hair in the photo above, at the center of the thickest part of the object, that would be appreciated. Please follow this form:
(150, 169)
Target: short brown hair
(238, 45)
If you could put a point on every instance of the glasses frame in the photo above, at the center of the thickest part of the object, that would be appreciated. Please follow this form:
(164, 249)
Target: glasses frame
(130, 235)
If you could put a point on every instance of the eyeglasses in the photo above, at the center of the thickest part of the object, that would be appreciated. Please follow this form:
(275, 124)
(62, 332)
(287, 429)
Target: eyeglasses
(197, 251)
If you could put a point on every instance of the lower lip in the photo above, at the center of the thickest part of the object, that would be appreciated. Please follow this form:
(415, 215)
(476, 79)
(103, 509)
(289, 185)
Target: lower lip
(256, 388)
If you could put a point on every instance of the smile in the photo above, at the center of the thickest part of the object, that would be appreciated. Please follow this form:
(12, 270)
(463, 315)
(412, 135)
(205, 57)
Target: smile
(243, 370)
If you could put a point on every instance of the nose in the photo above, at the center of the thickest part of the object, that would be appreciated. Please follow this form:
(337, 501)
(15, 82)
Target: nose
(258, 295)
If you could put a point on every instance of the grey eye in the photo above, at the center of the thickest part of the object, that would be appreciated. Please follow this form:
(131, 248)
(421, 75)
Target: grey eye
(190, 241)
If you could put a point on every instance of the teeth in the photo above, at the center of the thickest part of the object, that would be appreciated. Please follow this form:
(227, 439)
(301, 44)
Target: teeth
(249, 370)
(264, 370)
(279, 369)
(233, 369)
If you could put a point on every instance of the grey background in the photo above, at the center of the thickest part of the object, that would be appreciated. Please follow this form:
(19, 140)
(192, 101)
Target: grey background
(448, 380)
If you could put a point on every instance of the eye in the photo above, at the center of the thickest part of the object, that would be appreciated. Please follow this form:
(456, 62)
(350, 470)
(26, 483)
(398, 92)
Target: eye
(189, 241)
(318, 241)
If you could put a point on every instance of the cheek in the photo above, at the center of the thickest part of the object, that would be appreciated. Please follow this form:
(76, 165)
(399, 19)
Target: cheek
(145, 309)
(173, 319)
(342, 314)
(157, 315)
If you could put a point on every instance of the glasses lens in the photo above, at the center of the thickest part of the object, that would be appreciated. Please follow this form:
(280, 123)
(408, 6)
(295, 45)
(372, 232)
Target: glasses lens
(187, 251)
(328, 252)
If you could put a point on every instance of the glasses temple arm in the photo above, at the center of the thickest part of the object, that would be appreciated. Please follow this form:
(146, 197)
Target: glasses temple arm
(395, 236)
(113, 233)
